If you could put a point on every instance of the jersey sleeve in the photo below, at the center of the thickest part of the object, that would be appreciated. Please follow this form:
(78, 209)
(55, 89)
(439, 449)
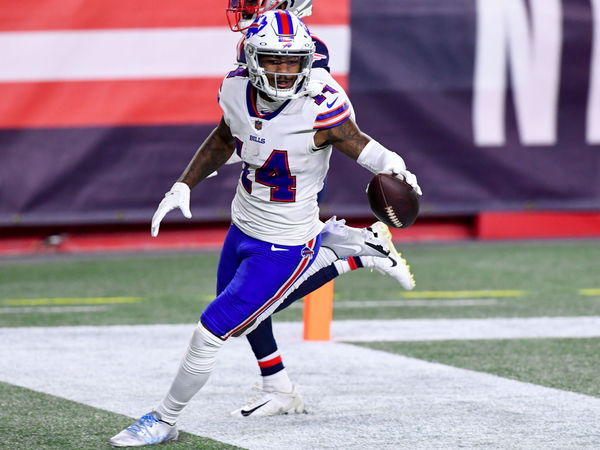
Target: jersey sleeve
(321, 58)
(227, 91)
(221, 102)
(333, 106)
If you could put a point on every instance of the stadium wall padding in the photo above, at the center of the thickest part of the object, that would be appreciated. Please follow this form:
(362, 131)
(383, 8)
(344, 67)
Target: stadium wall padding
(100, 137)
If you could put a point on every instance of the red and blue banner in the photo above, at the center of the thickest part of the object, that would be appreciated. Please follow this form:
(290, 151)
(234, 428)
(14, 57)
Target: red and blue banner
(103, 103)
(494, 104)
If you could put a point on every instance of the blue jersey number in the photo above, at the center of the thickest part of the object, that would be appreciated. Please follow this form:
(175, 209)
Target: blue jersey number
(275, 173)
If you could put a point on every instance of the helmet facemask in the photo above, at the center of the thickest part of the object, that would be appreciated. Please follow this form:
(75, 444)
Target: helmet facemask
(241, 13)
(279, 38)
(277, 84)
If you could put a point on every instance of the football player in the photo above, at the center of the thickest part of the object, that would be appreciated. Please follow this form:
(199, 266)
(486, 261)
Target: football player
(277, 120)
(242, 13)
(338, 255)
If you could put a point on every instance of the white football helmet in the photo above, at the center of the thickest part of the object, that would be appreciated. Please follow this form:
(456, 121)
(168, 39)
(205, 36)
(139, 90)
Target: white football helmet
(278, 34)
(241, 13)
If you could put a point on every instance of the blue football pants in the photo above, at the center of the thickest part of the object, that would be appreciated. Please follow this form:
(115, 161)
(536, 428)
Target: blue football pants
(252, 279)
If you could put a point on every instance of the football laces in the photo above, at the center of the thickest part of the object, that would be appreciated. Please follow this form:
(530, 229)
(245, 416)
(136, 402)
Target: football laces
(392, 216)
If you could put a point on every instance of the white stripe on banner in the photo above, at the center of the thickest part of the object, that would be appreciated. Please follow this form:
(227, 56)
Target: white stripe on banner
(338, 40)
(130, 54)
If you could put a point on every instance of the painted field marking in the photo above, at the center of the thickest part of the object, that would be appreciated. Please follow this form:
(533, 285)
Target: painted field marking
(51, 309)
(415, 302)
(70, 301)
(589, 291)
(463, 294)
(349, 304)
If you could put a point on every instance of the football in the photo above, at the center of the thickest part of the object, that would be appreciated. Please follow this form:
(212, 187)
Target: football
(393, 201)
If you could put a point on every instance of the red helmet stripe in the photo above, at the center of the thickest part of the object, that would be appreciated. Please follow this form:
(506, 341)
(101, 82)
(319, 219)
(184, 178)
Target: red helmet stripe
(285, 25)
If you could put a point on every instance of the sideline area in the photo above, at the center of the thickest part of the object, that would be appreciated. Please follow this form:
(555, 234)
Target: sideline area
(74, 240)
(356, 397)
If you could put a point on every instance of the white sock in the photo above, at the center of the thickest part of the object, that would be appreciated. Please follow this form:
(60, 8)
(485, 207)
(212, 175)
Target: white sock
(342, 266)
(279, 382)
(193, 373)
(352, 263)
(325, 257)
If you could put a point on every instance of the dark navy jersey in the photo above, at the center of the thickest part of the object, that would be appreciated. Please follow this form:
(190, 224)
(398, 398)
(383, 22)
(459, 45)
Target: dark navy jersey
(320, 60)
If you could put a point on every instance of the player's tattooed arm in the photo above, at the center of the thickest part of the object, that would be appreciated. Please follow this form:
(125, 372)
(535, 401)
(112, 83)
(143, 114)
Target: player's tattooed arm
(346, 137)
(212, 154)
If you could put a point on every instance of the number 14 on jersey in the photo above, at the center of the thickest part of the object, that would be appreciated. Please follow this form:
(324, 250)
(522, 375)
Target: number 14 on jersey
(275, 174)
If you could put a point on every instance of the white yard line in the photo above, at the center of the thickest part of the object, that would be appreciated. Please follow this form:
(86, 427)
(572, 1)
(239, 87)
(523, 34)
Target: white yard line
(357, 398)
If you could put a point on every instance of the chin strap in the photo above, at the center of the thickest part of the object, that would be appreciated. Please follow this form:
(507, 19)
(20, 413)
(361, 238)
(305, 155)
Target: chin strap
(312, 89)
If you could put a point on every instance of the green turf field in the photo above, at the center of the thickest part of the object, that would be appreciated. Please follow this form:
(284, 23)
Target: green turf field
(528, 279)
(31, 420)
(525, 280)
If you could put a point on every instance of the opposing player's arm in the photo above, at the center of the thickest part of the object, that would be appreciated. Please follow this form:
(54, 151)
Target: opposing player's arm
(212, 154)
(367, 152)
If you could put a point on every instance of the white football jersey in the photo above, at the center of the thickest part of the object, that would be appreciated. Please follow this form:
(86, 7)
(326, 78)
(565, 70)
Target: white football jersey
(282, 171)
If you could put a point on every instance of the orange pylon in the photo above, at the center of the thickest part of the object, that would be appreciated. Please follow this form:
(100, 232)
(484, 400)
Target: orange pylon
(318, 312)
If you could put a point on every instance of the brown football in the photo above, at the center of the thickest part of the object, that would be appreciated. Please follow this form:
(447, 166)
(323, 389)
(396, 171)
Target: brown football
(393, 201)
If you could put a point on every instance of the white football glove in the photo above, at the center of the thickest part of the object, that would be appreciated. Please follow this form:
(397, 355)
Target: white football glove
(407, 176)
(378, 159)
(177, 197)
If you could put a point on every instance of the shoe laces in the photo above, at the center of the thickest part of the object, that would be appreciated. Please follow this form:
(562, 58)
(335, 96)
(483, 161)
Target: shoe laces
(144, 423)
